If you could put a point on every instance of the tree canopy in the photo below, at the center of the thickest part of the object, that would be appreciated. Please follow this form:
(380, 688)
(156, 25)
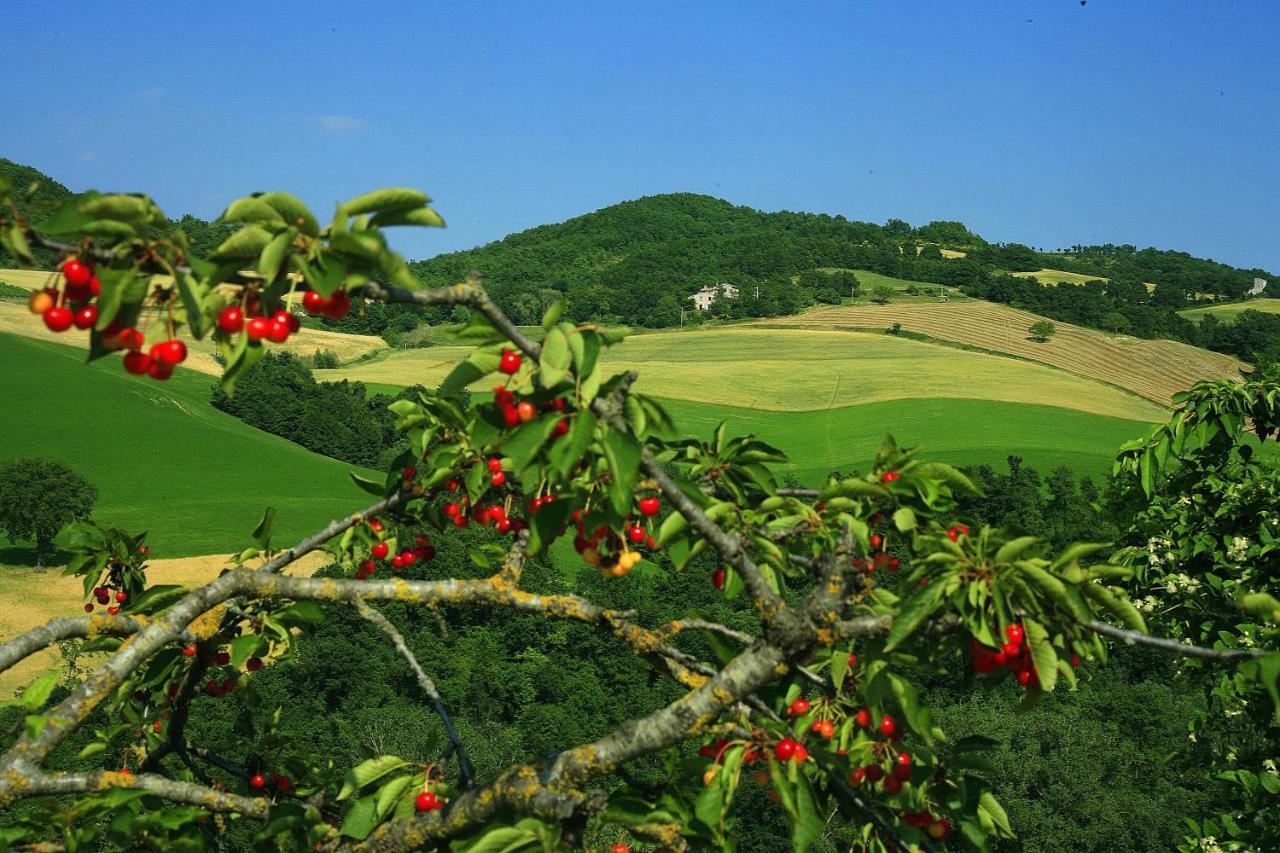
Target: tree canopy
(38, 498)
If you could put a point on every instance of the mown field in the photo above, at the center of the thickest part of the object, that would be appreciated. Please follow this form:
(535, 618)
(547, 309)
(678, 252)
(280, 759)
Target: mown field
(1051, 276)
(1154, 370)
(162, 458)
(1229, 311)
(797, 369)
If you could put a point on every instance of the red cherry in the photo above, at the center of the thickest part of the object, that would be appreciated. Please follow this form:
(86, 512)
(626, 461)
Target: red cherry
(509, 363)
(499, 478)
(620, 848)
(495, 464)
(137, 363)
(903, 759)
(798, 707)
(892, 785)
(58, 318)
(339, 305)
(409, 472)
(113, 610)
(874, 773)
(88, 608)
(278, 332)
(189, 651)
(259, 328)
(875, 540)
(86, 317)
(76, 272)
(375, 525)
(1075, 661)
(858, 776)
(451, 509)
(863, 718)
(231, 320)
(222, 658)
(173, 352)
(253, 664)
(1024, 677)
(425, 802)
(504, 525)
(95, 286)
(887, 726)
(956, 532)
(717, 578)
(649, 506)
(283, 783)
(1015, 633)
(380, 550)
(159, 370)
(398, 561)
(257, 780)
(461, 520)
(889, 476)
(313, 302)
(561, 427)
(801, 755)
(785, 749)
(121, 596)
(131, 339)
(853, 660)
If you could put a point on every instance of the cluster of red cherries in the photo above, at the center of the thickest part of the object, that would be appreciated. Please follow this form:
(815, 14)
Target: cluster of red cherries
(104, 595)
(607, 549)
(215, 687)
(281, 783)
(422, 550)
(515, 411)
(1013, 655)
(79, 286)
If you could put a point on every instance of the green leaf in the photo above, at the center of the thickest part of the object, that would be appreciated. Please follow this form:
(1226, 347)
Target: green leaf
(552, 314)
(251, 209)
(273, 254)
(904, 519)
(422, 216)
(367, 772)
(245, 244)
(302, 613)
(993, 815)
(391, 198)
(479, 364)
(1013, 549)
(39, 691)
(361, 818)
(293, 211)
(262, 532)
(623, 456)
(156, 598)
(373, 487)
(553, 361)
(914, 611)
(1042, 654)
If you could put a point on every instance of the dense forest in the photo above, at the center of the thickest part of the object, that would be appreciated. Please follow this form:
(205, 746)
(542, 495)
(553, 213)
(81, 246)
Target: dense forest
(638, 262)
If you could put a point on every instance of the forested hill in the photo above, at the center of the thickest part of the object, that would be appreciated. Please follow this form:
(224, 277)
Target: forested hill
(638, 261)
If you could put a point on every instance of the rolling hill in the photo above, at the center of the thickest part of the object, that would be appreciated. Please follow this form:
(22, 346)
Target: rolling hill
(1231, 310)
(162, 458)
(1154, 370)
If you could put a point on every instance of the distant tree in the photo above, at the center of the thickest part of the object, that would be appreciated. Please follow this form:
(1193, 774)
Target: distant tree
(38, 498)
(930, 253)
(1042, 330)
(881, 295)
(1116, 322)
(895, 329)
(898, 228)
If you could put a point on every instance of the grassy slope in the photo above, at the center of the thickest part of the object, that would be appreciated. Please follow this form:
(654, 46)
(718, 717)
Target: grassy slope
(1229, 311)
(801, 370)
(962, 432)
(162, 458)
(1051, 276)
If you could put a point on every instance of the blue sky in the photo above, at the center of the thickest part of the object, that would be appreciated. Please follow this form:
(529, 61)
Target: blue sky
(1039, 121)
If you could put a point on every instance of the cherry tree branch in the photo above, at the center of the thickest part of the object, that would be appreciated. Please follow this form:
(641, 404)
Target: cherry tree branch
(424, 681)
(1178, 647)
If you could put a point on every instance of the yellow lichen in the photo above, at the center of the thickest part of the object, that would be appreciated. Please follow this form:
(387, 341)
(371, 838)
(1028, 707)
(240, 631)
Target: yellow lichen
(206, 625)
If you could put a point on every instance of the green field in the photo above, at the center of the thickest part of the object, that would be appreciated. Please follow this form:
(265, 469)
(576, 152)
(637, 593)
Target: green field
(162, 458)
(1050, 276)
(962, 432)
(1229, 311)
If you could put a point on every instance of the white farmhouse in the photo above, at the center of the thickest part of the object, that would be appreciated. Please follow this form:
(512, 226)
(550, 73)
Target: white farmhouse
(704, 298)
(1259, 285)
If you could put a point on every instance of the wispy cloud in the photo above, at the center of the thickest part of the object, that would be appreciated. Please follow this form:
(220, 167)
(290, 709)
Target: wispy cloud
(151, 95)
(338, 124)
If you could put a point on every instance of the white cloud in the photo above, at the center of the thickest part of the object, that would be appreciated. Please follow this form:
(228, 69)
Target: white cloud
(337, 123)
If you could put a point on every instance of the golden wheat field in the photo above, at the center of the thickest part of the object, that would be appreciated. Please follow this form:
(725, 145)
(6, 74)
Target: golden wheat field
(32, 598)
(1152, 369)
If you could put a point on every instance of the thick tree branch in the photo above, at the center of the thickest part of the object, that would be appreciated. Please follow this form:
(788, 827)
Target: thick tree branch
(67, 628)
(178, 792)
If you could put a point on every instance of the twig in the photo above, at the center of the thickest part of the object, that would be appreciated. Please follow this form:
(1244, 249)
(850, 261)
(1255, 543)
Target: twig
(1176, 646)
(424, 681)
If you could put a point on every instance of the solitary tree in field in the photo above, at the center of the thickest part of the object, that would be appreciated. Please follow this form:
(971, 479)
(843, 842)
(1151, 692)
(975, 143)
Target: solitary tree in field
(38, 498)
(881, 294)
(1116, 322)
(1042, 330)
(847, 589)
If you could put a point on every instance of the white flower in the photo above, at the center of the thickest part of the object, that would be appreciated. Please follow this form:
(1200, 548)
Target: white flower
(1237, 549)
(1270, 766)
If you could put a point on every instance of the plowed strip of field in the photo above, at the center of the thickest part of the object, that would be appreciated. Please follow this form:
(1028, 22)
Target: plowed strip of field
(1154, 370)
